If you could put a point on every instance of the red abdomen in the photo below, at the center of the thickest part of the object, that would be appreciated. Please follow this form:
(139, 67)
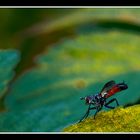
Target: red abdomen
(113, 91)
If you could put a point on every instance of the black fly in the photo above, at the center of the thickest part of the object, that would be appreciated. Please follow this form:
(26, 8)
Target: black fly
(99, 100)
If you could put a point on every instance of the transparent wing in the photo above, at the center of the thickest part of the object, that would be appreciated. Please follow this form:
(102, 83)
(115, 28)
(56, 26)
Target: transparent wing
(108, 86)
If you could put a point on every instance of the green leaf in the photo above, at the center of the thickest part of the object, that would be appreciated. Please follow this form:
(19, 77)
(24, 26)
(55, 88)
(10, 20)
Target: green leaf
(47, 97)
(8, 61)
(47, 32)
(82, 17)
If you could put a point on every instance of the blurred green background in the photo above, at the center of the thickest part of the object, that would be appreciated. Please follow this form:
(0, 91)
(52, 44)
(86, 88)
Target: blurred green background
(49, 58)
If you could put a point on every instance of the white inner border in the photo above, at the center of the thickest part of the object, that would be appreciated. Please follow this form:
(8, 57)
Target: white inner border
(69, 6)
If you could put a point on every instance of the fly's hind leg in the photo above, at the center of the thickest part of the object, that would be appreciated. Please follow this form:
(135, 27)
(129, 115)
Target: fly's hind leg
(112, 100)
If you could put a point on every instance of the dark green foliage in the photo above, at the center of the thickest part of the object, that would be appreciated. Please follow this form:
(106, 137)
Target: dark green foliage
(8, 61)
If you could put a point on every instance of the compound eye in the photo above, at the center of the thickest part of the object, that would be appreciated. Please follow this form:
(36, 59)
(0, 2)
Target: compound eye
(87, 100)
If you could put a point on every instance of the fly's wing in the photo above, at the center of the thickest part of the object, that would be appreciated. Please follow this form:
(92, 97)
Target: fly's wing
(107, 86)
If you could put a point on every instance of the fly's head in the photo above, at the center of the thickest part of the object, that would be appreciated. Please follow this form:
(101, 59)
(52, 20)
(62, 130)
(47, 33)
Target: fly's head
(87, 99)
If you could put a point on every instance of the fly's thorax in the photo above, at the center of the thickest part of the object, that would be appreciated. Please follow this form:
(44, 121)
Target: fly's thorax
(97, 98)
(103, 94)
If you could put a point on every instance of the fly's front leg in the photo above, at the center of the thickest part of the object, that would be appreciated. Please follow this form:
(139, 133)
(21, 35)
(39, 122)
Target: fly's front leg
(86, 115)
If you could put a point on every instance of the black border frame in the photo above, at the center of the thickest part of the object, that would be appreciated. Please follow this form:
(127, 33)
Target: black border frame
(70, 3)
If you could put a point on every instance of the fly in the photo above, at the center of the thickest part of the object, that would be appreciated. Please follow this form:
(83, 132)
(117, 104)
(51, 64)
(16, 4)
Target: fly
(97, 101)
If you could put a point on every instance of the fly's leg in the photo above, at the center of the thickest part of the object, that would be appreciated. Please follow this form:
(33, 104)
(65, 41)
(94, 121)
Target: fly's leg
(112, 100)
(86, 115)
(111, 107)
(97, 110)
(92, 108)
(116, 101)
(89, 110)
